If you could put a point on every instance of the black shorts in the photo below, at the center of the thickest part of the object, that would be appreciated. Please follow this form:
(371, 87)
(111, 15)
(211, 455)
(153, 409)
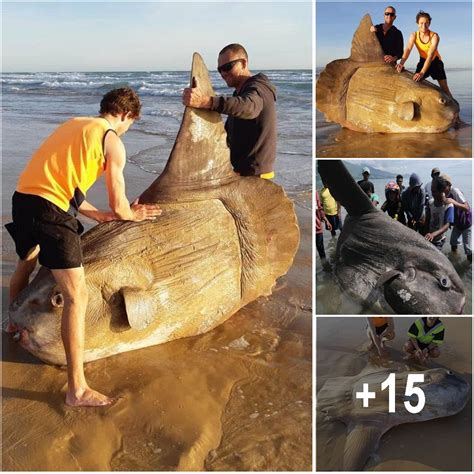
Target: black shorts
(37, 221)
(380, 329)
(436, 69)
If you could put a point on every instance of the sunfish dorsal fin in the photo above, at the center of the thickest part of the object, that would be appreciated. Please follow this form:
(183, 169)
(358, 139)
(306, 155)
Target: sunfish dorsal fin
(365, 45)
(200, 156)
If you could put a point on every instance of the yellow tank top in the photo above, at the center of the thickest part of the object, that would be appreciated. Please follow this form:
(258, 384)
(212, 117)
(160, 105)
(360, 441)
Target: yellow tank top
(379, 322)
(328, 202)
(67, 163)
(423, 48)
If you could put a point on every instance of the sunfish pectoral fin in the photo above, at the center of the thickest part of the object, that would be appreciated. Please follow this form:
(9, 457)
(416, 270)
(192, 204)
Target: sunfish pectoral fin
(138, 305)
(365, 45)
(362, 440)
(387, 276)
(406, 111)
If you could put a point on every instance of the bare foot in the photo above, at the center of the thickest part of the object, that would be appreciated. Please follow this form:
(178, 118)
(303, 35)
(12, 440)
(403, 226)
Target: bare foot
(11, 328)
(88, 398)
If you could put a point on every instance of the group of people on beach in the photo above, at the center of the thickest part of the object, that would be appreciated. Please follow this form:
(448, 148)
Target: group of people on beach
(425, 336)
(425, 41)
(52, 189)
(430, 210)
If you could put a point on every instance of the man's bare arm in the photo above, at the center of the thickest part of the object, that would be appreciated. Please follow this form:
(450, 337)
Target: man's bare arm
(116, 158)
(88, 210)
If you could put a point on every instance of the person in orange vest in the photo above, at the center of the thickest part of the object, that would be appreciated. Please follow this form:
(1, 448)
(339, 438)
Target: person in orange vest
(49, 194)
(380, 330)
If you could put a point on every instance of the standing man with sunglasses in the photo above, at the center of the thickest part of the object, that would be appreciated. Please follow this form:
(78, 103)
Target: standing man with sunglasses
(251, 122)
(389, 36)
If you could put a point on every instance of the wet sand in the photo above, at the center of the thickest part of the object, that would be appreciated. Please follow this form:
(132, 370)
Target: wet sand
(333, 141)
(236, 398)
(441, 444)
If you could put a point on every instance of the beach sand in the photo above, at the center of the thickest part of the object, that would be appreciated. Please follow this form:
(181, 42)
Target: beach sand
(333, 141)
(236, 398)
(441, 444)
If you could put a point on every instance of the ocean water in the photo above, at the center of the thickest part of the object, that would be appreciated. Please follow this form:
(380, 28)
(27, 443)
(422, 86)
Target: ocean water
(35, 103)
(334, 141)
(330, 299)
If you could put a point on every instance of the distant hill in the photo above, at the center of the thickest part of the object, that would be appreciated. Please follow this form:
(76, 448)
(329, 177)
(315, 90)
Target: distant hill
(356, 171)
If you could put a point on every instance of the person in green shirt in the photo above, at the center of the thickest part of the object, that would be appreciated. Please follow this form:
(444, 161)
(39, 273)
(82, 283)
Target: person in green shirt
(425, 338)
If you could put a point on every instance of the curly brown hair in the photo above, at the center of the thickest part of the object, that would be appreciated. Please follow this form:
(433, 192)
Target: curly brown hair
(422, 14)
(121, 101)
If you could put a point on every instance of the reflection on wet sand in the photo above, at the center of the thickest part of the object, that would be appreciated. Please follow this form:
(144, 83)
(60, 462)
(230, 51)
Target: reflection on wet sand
(336, 142)
(342, 351)
(236, 398)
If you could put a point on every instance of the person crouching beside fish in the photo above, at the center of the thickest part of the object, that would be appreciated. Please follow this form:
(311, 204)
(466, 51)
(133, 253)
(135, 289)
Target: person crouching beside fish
(389, 36)
(426, 336)
(439, 214)
(426, 43)
(50, 192)
(380, 330)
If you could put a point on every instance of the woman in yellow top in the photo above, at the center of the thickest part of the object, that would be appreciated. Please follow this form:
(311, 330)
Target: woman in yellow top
(426, 43)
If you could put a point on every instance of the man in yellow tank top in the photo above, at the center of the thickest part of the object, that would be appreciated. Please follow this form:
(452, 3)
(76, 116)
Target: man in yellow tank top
(50, 191)
(426, 43)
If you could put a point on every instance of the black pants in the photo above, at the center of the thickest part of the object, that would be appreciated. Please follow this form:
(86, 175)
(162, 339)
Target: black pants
(320, 245)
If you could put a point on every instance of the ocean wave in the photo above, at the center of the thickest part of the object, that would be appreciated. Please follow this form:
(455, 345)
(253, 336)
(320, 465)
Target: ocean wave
(166, 92)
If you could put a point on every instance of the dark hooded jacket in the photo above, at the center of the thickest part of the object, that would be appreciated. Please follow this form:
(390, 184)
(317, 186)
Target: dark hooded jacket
(251, 125)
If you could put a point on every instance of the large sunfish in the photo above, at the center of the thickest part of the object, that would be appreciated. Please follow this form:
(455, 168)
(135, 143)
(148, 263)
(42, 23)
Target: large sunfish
(365, 94)
(445, 394)
(377, 258)
(221, 242)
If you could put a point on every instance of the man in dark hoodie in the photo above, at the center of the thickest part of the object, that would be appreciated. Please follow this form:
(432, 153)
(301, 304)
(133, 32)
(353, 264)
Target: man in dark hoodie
(251, 122)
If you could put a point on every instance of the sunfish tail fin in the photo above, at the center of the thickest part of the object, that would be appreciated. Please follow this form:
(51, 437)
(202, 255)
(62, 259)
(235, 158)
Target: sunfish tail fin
(200, 156)
(361, 442)
(343, 188)
(365, 45)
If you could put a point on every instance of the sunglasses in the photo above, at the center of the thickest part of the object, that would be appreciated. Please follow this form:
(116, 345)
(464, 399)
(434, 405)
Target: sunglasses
(228, 66)
(389, 14)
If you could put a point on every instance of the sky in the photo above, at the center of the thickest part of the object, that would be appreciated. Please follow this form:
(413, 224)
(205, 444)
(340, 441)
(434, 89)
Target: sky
(460, 171)
(152, 36)
(336, 23)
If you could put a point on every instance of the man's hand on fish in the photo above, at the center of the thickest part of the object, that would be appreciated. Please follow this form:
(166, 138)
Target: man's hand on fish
(399, 67)
(419, 76)
(142, 212)
(390, 59)
(429, 237)
(373, 29)
(193, 97)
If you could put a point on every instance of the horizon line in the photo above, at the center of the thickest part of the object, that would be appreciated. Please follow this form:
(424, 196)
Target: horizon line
(149, 70)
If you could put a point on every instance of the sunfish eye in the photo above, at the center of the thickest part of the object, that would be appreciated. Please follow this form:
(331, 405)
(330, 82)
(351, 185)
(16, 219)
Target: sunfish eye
(442, 100)
(410, 274)
(444, 282)
(57, 300)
